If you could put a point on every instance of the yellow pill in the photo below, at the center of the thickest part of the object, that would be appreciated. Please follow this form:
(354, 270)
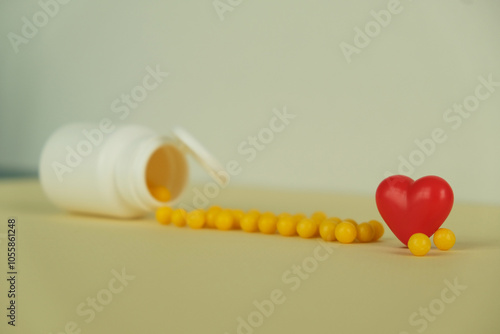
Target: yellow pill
(298, 217)
(334, 219)
(318, 216)
(267, 223)
(327, 229)
(378, 228)
(249, 222)
(210, 216)
(254, 212)
(345, 232)
(237, 215)
(307, 228)
(444, 239)
(224, 220)
(286, 225)
(352, 221)
(419, 244)
(179, 217)
(164, 214)
(365, 232)
(196, 219)
(160, 193)
(284, 214)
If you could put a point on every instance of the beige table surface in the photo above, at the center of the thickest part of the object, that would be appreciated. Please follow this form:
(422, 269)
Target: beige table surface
(180, 280)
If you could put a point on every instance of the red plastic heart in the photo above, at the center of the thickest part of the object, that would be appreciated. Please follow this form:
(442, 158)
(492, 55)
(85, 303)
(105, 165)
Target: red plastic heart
(410, 207)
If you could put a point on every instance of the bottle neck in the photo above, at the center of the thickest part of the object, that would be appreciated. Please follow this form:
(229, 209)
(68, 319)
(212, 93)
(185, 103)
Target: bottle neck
(151, 160)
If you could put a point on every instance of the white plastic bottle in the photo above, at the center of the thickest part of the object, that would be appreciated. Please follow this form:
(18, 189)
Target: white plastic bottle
(105, 169)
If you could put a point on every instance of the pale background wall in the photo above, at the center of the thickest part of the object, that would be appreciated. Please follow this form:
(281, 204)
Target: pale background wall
(352, 121)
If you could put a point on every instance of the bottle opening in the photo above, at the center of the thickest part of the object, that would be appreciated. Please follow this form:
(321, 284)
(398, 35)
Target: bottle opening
(166, 173)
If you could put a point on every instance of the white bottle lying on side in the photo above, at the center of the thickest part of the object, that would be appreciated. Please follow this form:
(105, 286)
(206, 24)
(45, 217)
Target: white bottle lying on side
(105, 169)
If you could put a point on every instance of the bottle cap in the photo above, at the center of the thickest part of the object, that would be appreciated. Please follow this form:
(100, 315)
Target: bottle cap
(189, 144)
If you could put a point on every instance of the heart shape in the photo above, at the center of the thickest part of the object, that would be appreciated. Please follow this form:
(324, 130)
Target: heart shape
(410, 207)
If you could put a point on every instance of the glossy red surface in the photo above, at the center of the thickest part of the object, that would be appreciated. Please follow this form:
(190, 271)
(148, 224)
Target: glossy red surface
(410, 207)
